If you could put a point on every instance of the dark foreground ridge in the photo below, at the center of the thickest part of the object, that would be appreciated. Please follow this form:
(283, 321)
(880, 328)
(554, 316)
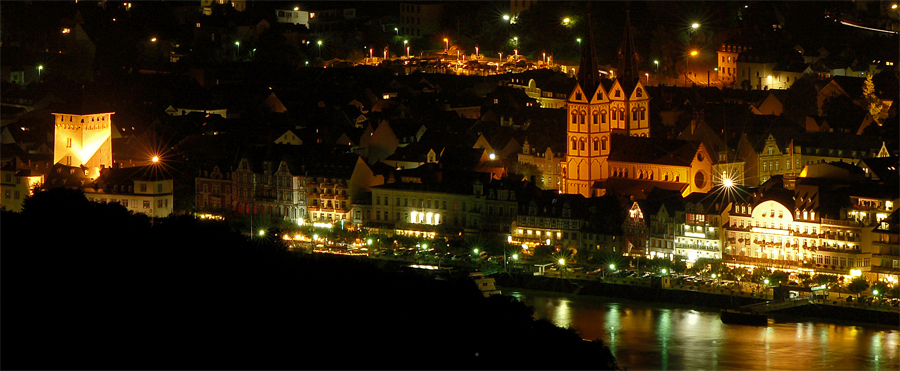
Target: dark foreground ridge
(89, 286)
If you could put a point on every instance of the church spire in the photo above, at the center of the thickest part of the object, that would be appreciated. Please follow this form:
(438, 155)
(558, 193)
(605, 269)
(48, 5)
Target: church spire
(589, 70)
(627, 73)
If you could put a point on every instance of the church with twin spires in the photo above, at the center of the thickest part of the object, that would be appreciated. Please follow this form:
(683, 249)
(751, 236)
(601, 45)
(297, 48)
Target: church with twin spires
(608, 143)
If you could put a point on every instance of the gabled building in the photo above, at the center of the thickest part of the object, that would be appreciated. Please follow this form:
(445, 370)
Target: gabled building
(608, 130)
(141, 189)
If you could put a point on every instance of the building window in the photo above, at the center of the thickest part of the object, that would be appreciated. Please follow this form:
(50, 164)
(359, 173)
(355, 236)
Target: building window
(146, 204)
(159, 188)
(143, 187)
(68, 142)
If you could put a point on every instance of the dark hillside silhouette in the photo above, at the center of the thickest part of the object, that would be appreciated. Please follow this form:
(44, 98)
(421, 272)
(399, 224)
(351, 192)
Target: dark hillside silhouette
(88, 286)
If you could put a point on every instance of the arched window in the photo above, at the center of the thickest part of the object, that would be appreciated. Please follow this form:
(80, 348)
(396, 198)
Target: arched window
(634, 115)
(603, 117)
(574, 144)
(581, 117)
(640, 92)
(613, 115)
(603, 143)
(574, 118)
(582, 144)
(596, 144)
(642, 113)
(596, 119)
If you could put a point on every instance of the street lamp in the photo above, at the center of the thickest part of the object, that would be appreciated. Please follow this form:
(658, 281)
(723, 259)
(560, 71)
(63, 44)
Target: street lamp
(562, 266)
(695, 26)
(516, 40)
(155, 159)
(656, 62)
(262, 232)
(446, 44)
(579, 41)
(153, 40)
(476, 51)
(238, 43)
(40, 68)
(664, 270)
(566, 21)
(515, 256)
(397, 30)
(506, 17)
(694, 53)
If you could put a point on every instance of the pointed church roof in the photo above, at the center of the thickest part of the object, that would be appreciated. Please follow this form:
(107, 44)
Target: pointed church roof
(627, 73)
(589, 71)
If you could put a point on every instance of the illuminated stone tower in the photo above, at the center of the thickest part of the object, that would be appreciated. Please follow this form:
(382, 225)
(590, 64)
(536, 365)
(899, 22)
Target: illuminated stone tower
(83, 140)
(597, 109)
(632, 102)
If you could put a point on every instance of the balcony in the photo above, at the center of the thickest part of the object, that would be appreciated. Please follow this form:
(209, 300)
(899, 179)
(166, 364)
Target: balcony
(845, 250)
(327, 196)
(844, 223)
(312, 208)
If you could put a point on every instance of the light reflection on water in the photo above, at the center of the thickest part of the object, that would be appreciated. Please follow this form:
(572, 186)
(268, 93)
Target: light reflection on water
(646, 336)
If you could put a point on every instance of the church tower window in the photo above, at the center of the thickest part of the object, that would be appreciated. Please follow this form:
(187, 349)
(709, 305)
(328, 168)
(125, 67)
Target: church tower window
(603, 117)
(640, 92)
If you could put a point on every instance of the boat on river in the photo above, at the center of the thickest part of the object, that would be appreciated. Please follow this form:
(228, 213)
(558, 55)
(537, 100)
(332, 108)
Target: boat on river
(748, 318)
(487, 285)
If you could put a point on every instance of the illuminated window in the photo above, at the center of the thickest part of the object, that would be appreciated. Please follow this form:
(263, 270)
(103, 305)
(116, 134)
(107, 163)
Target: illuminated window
(68, 142)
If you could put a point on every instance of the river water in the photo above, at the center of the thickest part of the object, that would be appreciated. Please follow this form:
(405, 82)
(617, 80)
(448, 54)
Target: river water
(660, 336)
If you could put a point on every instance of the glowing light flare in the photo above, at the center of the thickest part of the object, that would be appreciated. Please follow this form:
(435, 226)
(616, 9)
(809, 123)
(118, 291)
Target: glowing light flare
(695, 26)
(154, 159)
(694, 53)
